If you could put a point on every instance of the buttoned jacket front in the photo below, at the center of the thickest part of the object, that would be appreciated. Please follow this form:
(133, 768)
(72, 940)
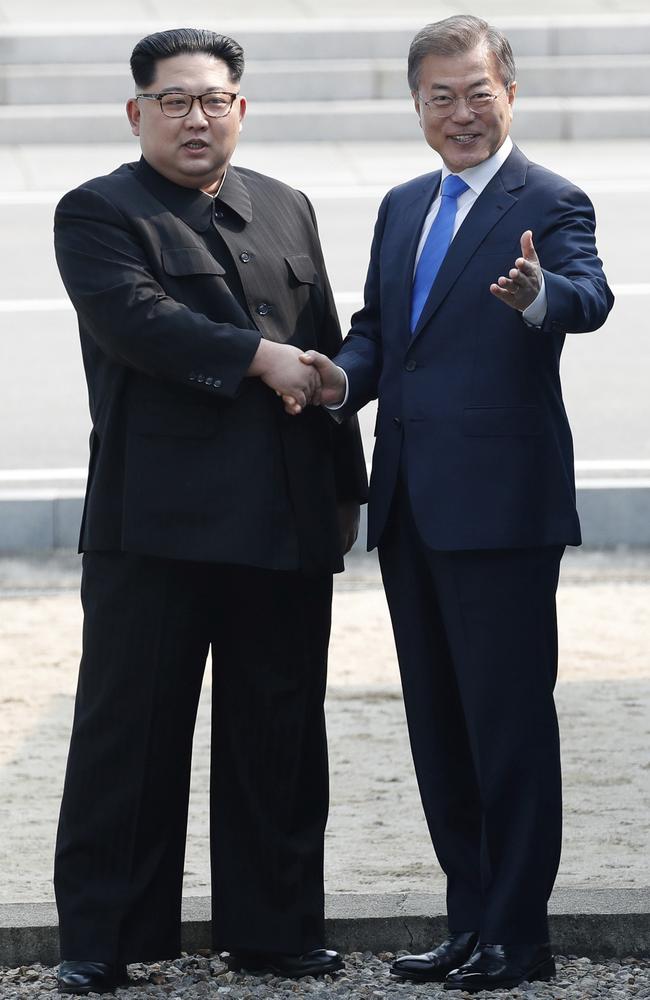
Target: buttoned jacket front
(189, 457)
(470, 403)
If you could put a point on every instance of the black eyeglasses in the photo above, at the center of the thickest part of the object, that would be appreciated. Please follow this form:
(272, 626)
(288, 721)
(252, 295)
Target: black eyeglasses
(442, 105)
(215, 104)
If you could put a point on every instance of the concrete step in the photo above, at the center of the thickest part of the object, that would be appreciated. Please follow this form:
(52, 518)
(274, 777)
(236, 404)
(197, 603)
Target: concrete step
(548, 118)
(332, 39)
(328, 79)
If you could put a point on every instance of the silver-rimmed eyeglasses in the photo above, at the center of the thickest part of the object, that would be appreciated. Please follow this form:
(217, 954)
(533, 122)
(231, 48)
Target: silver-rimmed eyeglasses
(442, 105)
(215, 104)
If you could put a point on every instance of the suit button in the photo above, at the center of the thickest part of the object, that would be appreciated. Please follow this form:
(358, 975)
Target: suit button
(410, 365)
(192, 376)
(263, 309)
(218, 214)
(397, 421)
(209, 380)
(244, 257)
(217, 383)
(200, 378)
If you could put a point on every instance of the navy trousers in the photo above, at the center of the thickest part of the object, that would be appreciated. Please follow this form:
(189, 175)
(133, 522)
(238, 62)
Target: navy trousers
(476, 639)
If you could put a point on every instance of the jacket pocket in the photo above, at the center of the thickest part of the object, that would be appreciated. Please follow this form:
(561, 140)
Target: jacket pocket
(302, 268)
(502, 421)
(186, 261)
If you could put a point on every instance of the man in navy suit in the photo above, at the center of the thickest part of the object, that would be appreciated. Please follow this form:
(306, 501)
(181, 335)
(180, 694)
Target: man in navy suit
(476, 274)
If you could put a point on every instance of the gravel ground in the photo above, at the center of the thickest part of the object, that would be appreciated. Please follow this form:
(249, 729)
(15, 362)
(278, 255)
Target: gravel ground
(365, 977)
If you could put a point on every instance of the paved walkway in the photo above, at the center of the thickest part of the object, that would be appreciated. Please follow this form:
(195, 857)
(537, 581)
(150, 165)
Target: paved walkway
(377, 840)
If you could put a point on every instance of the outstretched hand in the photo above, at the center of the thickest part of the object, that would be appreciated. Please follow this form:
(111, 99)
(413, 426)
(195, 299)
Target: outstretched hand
(332, 384)
(524, 281)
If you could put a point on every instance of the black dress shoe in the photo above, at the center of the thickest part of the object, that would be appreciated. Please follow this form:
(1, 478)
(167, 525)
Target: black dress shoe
(312, 963)
(433, 966)
(90, 977)
(502, 966)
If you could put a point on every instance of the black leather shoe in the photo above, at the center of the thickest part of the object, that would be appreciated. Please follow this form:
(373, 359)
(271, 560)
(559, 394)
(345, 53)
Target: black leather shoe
(312, 963)
(502, 966)
(90, 977)
(433, 966)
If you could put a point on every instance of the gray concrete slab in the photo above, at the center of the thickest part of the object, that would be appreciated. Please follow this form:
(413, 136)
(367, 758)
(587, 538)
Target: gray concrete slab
(595, 924)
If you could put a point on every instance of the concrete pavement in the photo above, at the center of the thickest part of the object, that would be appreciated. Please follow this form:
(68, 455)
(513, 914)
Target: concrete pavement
(377, 841)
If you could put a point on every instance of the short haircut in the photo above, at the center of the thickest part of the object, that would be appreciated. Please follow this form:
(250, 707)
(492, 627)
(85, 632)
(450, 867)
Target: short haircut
(460, 33)
(180, 41)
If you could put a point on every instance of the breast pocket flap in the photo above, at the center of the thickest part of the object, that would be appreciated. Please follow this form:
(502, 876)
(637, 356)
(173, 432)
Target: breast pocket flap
(302, 267)
(186, 261)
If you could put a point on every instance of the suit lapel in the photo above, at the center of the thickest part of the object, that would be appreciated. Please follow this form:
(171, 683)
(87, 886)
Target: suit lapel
(489, 208)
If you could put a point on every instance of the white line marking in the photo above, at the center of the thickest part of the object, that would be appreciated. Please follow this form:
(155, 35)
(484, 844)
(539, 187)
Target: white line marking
(629, 465)
(34, 475)
(630, 290)
(35, 305)
(612, 484)
(347, 192)
(613, 465)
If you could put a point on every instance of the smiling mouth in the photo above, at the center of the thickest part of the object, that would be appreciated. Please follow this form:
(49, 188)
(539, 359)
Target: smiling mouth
(195, 144)
(464, 137)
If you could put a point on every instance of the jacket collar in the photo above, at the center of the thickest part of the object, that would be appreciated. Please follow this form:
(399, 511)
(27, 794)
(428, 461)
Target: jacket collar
(192, 206)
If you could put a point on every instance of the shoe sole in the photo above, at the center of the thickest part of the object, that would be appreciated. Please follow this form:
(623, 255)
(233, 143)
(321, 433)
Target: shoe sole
(540, 974)
(419, 977)
(260, 970)
(85, 990)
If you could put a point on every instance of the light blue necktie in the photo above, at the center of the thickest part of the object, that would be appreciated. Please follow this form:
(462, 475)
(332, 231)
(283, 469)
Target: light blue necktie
(436, 245)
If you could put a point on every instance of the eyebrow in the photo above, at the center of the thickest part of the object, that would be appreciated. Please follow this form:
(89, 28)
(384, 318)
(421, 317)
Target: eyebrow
(475, 83)
(182, 90)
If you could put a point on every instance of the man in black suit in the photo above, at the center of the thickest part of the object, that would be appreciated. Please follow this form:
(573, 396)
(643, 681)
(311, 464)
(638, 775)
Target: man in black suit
(211, 519)
(472, 495)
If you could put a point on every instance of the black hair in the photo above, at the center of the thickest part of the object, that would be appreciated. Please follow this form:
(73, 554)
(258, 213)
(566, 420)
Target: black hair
(459, 33)
(179, 41)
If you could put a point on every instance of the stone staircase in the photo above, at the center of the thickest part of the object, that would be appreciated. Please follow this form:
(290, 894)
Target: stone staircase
(586, 78)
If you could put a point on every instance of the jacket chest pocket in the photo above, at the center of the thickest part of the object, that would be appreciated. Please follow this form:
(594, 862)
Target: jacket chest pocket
(187, 262)
(301, 269)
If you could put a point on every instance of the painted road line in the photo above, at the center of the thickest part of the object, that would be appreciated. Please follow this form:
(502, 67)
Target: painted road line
(346, 192)
(630, 290)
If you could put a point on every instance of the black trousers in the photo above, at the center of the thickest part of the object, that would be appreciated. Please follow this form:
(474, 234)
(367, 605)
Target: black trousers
(476, 638)
(148, 625)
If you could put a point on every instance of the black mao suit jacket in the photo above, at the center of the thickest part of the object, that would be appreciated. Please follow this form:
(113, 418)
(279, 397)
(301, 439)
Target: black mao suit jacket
(189, 458)
(471, 404)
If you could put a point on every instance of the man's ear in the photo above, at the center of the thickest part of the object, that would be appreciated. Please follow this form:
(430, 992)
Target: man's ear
(416, 105)
(133, 114)
(242, 111)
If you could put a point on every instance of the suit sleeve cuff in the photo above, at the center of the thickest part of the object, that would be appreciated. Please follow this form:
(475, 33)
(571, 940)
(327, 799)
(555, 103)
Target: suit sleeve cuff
(535, 313)
(338, 406)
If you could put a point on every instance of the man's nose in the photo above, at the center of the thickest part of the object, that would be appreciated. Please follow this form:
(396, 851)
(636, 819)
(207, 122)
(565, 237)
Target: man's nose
(462, 113)
(196, 115)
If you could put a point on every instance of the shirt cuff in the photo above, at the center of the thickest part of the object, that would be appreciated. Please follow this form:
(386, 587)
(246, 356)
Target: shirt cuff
(337, 406)
(535, 313)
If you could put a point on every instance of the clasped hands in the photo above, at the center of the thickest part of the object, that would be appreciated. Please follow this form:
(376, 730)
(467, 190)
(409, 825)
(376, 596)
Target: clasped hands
(300, 378)
(303, 378)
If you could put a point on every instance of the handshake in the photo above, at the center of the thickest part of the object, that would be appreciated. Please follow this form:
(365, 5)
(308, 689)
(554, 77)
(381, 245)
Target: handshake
(300, 378)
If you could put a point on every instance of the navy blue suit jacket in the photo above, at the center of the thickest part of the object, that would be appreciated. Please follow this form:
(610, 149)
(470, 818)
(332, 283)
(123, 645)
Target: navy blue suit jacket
(474, 396)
